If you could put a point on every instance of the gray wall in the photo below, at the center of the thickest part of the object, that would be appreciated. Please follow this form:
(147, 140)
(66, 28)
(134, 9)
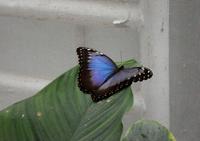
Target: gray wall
(185, 69)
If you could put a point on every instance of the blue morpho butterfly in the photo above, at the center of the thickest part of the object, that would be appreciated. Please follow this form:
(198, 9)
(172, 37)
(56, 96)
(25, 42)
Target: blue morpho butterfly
(100, 76)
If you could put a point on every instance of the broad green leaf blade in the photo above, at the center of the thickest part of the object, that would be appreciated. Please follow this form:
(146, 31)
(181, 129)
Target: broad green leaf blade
(145, 130)
(61, 112)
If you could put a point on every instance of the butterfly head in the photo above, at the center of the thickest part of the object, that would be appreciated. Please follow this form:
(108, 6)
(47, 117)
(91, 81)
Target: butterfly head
(121, 67)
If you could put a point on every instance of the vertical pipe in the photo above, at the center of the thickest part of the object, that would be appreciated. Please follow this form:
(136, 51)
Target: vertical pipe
(155, 54)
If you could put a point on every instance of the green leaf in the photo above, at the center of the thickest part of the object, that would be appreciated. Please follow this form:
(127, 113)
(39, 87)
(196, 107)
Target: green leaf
(145, 130)
(61, 112)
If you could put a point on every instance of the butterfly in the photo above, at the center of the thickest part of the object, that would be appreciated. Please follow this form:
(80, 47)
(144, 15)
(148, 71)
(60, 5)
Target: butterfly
(100, 76)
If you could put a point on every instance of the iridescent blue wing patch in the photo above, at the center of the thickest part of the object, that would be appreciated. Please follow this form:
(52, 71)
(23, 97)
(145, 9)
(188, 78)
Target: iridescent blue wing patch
(100, 77)
(95, 69)
(120, 80)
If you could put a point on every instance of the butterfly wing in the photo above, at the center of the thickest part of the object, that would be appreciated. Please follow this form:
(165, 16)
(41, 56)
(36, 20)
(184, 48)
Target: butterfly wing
(120, 80)
(95, 69)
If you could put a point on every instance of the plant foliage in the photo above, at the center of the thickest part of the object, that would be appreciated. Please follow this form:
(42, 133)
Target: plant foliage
(61, 112)
(145, 130)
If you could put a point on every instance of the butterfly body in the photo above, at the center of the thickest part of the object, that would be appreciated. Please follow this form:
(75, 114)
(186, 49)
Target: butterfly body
(100, 76)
